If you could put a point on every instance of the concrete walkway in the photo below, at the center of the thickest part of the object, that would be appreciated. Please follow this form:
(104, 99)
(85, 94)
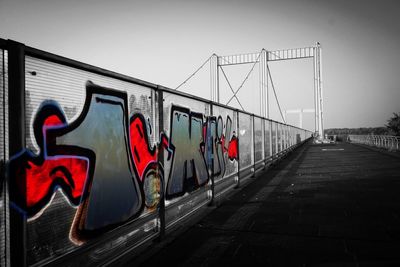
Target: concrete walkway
(324, 205)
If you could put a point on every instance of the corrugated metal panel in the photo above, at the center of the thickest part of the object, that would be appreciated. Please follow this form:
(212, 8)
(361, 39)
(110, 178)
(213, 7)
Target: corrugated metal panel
(267, 143)
(245, 140)
(2, 164)
(46, 80)
(4, 233)
(179, 207)
(274, 138)
(48, 235)
(230, 166)
(258, 135)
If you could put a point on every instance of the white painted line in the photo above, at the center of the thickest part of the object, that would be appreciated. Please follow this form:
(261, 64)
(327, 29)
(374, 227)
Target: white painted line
(332, 149)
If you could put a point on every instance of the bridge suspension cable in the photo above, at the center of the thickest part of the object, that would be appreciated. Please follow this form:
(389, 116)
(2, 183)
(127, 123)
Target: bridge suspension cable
(245, 79)
(276, 97)
(275, 55)
(230, 86)
(194, 73)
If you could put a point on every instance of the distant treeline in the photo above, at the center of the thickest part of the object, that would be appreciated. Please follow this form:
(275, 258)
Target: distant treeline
(392, 128)
(342, 133)
(347, 131)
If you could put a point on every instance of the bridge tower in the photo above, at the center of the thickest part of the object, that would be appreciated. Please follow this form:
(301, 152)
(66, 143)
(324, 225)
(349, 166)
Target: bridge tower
(263, 58)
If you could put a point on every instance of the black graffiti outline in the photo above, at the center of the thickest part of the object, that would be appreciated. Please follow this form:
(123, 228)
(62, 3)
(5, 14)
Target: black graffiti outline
(47, 108)
(191, 115)
(55, 150)
(215, 143)
(156, 148)
(152, 150)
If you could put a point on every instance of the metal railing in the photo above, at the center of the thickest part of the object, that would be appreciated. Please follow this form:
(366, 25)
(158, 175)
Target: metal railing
(383, 141)
(35, 75)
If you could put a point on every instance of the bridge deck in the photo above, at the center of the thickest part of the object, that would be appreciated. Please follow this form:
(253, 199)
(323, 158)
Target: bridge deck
(323, 204)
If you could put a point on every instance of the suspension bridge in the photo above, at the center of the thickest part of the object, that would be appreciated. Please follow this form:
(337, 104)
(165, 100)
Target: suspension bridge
(263, 59)
(99, 168)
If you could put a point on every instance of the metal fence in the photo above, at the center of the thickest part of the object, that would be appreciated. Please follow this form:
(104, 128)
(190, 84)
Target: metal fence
(383, 141)
(99, 163)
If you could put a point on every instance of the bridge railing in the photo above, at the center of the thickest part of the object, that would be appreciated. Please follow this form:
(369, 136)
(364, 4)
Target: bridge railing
(383, 141)
(99, 163)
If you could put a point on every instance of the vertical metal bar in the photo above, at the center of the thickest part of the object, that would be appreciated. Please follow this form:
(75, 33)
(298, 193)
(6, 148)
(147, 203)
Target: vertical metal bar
(214, 80)
(294, 136)
(16, 111)
(238, 158)
(264, 78)
(217, 78)
(160, 100)
(267, 85)
(254, 147)
(212, 161)
(291, 136)
(270, 139)
(263, 141)
(4, 155)
(211, 80)
(276, 139)
(319, 75)
(260, 83)
(315, 94)
(282, 137)
(286, 136)
(282, 133)
(321, 92)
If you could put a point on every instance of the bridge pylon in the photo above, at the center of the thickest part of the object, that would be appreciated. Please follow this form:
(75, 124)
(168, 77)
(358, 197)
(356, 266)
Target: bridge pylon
(264, 58)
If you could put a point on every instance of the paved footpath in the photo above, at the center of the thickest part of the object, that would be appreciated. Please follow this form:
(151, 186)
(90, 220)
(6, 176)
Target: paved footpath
(324, 205)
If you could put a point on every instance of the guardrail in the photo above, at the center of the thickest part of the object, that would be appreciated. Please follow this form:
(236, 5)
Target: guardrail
(383, 141)
(99, 163)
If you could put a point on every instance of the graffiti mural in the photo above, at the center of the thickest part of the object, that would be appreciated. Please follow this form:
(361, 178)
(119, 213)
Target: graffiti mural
(145, 158)
(189, 169)
(105, 165)
(214, 149)
(89, 160)
(219, 143)
(199, 149)
(38, 176)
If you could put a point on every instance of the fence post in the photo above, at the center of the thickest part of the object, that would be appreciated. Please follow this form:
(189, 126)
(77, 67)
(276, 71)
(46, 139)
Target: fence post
(16, 111)
(238, 156)
(160, 101)
(254, 147)
(286, 136)
(283, 138)
(270, 139)
(276, 139)
(263, 142)
(212, 161)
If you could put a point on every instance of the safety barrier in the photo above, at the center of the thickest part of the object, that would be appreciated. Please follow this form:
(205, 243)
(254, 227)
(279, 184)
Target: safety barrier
(383, 141)
(99, 163)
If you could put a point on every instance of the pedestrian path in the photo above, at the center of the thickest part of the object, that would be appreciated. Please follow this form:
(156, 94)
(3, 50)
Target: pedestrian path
(324, 205)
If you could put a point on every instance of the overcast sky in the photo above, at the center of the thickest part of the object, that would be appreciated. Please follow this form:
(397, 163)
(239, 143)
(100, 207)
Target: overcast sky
(165, 41)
